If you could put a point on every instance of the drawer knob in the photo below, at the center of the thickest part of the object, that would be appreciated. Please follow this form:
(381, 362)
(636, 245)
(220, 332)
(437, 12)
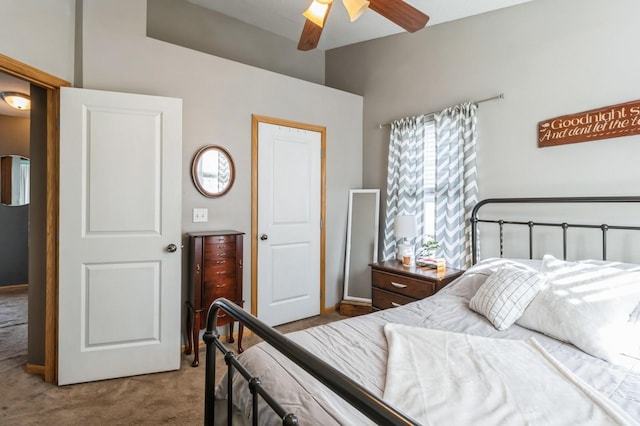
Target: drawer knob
(395, 305)
(398, 285)
(220, 285)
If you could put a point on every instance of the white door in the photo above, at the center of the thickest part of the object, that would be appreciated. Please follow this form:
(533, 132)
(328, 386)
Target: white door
(289, 213)
(120, 210)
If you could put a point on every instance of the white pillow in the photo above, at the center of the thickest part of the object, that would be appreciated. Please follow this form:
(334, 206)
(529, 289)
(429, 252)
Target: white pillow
(505, 295)
(588, 306)
(468, 284)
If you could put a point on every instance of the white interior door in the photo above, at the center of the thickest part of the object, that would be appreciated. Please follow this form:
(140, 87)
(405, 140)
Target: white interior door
(120, 209)
(289, 212)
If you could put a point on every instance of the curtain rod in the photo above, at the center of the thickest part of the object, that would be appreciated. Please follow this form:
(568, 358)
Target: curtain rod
(500, 96)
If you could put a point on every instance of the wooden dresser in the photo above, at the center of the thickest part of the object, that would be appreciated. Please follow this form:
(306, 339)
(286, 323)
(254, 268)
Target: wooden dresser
(395, 285)
(215, 270)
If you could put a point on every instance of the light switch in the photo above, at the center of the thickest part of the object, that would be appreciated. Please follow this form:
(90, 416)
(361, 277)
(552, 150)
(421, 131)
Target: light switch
(200, 215)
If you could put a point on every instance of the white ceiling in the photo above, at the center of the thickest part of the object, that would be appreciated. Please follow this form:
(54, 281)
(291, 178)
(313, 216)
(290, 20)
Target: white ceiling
(284, 17)
(12, 84)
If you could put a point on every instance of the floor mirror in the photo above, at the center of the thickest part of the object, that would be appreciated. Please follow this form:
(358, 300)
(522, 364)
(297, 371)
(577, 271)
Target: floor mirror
(362, 243)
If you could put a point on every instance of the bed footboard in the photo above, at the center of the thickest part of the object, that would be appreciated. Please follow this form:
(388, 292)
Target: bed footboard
(367, 403)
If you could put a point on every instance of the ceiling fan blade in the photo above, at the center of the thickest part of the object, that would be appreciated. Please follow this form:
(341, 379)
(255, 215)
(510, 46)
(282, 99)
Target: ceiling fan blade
(400, 13)
(310, 36)
(311, 33)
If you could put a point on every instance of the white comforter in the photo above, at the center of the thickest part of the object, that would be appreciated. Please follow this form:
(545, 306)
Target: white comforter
(428, 369)
(358, 347)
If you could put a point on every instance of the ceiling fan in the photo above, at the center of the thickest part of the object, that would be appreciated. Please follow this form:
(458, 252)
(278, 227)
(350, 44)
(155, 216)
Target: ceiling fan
(397, 11)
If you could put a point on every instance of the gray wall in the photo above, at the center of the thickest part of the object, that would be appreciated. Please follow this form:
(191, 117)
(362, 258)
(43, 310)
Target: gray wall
(40, 33)
(37, 226)
(14, 136)
(549, 57)
(219, 96)
(195, 27)
(48, 45)
(14, 220)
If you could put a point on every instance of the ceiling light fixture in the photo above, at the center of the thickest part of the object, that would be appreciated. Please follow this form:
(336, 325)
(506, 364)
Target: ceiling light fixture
(17, 100)
(355, 8)
(317, 12)
(397, 11)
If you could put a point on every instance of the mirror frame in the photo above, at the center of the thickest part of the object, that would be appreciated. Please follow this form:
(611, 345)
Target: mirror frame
(6, 185)
(373, 238)
(194, 169)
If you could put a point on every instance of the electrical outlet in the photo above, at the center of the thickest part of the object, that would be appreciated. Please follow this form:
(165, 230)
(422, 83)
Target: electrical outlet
(200, 215)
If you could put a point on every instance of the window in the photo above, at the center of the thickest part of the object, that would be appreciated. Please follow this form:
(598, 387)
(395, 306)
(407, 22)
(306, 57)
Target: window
(429, 219)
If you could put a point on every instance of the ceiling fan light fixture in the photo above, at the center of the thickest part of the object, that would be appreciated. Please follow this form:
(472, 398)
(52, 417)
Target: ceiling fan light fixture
(317, 12)
(355, 8)
(17, 100)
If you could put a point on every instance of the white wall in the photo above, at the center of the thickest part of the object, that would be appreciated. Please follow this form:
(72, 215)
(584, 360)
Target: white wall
(549, 57)
(40, 33)
(219, 97)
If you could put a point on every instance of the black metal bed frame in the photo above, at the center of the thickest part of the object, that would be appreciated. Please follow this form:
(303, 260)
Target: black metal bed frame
(360, 398)
(565, 226)
(367, 403)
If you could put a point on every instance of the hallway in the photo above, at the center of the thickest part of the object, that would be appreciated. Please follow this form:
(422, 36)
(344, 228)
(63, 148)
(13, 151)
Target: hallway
(13, 328)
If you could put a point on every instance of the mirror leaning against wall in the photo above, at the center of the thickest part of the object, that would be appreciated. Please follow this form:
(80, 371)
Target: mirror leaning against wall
(213, 171)
(362, 243)
(14, 180)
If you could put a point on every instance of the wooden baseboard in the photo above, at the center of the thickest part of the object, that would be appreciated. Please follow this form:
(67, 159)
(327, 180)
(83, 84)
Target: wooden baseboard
(331, 310)
(352, 308)
(235, 337)
(14, 287)
(34, 369)
(184, 347)
(248, 332)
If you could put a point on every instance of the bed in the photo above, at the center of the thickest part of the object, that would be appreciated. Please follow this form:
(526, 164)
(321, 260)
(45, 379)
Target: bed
(512, 341)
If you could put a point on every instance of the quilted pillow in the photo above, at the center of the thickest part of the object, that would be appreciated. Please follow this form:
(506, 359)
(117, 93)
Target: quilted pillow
(505, 295)
(587, 305)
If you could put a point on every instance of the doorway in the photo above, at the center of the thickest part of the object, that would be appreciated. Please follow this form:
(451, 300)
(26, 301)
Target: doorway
(288, 214)
(14, 224)
(44, 290)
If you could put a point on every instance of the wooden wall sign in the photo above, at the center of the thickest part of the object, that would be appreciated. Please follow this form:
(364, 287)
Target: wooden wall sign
(602, 123)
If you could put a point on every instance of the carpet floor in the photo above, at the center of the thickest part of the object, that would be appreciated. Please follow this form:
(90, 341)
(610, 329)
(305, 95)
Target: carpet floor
(170, 398)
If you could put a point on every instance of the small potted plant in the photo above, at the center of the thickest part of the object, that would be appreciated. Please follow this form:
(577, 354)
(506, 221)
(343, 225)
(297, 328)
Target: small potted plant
(426, 253)
(429, 247)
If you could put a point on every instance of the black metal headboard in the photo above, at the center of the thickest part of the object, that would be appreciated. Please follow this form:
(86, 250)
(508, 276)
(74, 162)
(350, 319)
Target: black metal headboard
(531, 224)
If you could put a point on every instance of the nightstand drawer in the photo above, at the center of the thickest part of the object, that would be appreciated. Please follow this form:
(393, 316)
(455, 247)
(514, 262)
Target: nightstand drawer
(381, 299)
(414, 288)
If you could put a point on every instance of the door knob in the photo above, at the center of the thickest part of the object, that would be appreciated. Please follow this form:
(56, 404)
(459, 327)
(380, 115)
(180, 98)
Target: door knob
(264, 237)
(171, 248)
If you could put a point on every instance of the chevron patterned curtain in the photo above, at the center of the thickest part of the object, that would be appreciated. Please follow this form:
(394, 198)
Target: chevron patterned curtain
(405, 176)
(456, 186)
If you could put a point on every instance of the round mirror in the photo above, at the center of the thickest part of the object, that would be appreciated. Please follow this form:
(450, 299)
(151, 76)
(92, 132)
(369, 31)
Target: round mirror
(212, 171)
(14, 180)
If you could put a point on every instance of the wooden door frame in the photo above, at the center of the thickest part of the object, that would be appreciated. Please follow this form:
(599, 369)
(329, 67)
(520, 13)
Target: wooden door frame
(255, 120)
(52, 85)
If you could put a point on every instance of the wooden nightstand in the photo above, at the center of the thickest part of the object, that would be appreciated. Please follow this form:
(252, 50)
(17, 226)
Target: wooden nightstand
(395, 285)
